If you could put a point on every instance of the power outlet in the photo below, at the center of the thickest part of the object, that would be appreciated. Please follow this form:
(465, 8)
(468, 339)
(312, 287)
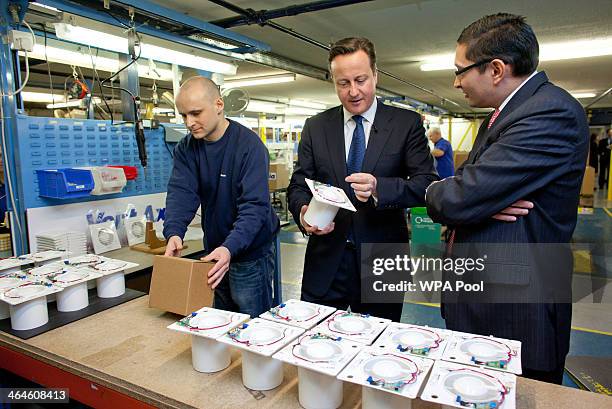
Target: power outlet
(21, 41)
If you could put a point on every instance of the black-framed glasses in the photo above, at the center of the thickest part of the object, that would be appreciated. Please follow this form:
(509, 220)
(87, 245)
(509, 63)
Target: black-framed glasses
(469, 67)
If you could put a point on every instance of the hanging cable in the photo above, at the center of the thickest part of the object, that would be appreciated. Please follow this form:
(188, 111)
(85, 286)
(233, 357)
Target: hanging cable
(42, 25)
(97, 78)
(27, 65)
(103, 83)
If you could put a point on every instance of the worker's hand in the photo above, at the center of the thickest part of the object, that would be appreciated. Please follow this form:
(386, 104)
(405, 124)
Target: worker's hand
(516, 209)
(314, 229)
(174, 247)
(222, 256)
(364, 186)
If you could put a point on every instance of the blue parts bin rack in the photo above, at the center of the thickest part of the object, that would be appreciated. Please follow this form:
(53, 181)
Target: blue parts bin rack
(57, 143)
(65, 183)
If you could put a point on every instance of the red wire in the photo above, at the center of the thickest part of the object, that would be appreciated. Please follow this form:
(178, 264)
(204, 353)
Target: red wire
(205, 329)
(286, 318)
(510, 354)
(438, 339)
(248, 343)
(412, 374)
(333, 319)
(504, 390)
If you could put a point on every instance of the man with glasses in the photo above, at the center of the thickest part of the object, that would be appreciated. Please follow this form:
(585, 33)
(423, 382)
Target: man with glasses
(520, 184)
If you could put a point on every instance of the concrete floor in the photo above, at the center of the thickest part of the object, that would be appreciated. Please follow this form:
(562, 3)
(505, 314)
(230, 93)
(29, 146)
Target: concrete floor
(592, 315)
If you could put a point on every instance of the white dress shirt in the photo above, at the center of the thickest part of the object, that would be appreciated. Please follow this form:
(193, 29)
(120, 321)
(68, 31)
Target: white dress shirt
(509, 97)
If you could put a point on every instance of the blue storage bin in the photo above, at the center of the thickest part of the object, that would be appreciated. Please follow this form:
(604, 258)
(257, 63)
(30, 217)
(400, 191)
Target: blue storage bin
(65, 183)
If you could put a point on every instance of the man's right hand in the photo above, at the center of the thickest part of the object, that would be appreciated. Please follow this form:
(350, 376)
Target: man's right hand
(174, 247)
(314, 229)
(514, 211)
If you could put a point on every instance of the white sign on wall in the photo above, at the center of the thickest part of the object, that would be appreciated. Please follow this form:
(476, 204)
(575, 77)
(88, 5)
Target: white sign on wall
(78, 216)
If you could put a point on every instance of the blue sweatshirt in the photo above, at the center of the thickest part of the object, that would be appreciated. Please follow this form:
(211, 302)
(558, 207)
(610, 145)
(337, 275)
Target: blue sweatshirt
(229, 178)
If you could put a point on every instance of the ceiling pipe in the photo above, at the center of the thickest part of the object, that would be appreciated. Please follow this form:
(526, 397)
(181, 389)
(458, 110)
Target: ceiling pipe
(262, 16)
(603, 95)
(250, 13)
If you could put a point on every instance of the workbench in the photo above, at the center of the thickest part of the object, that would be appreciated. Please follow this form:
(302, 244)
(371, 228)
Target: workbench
(126, 358)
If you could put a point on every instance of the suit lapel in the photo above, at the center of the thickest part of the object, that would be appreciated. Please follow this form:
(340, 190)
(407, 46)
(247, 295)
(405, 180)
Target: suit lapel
(517, 100)
(479, 142)
(379, 134)
(488, 136)
(334, 137)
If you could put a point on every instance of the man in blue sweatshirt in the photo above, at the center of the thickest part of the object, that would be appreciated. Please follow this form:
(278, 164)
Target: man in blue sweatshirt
(223, 166)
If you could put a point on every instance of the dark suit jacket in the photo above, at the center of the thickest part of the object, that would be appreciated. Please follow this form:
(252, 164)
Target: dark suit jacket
(397, 150)
(535, 150)
(604, 151)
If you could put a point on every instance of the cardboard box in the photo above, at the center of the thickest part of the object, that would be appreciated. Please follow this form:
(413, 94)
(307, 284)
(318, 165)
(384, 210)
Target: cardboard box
(588, 183)
(587, 201)
(459, 158)
(179, 285)
(278, 177)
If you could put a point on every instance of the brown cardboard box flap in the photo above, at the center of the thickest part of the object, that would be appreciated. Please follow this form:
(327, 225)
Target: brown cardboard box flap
(588, 182)
(179, 285)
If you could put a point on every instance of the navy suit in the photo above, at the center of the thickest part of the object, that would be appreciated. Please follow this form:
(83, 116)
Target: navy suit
(535, 150)
(397, 150)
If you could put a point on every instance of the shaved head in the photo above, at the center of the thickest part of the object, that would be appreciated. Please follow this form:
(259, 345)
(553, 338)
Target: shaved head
(202, 85)
(201, 106)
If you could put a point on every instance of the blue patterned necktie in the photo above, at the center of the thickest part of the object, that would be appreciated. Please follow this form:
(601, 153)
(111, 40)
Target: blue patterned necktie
(358, 147)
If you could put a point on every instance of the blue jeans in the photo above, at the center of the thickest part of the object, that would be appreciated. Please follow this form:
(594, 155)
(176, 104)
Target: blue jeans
(247, 286)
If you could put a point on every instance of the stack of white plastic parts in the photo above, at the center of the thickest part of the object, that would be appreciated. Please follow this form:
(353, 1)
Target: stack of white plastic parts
(73, 242)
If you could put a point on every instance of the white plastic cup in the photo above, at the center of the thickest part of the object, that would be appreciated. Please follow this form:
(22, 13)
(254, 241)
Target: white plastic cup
(318, 391)
(4, 310)
(208, 355)
(73, 298)
(30, 314)
(372, 398)
(320, 214)
(112, 285)
(261, 373)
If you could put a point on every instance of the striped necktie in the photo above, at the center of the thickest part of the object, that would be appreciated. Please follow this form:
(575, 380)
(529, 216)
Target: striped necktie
(493, 118)
(358, 147)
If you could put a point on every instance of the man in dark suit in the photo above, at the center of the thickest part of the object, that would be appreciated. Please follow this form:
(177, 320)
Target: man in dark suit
(520, 184)
(604, 159)
(379, 156)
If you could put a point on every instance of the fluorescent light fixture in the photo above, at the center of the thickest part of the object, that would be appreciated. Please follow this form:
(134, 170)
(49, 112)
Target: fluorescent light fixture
(158, 110)
(307, 104)
(44, 6)
(567, 50)
(119, 44)
(29, 96)
(438, 62)
(576, 49)
(402, 105)
(263, 80)
(301, 111)
(579, 95)
(72, 103)
(64, 56)
(264, 107)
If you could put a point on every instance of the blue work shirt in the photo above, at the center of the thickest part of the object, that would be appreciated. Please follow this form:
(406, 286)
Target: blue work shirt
(445, 164)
